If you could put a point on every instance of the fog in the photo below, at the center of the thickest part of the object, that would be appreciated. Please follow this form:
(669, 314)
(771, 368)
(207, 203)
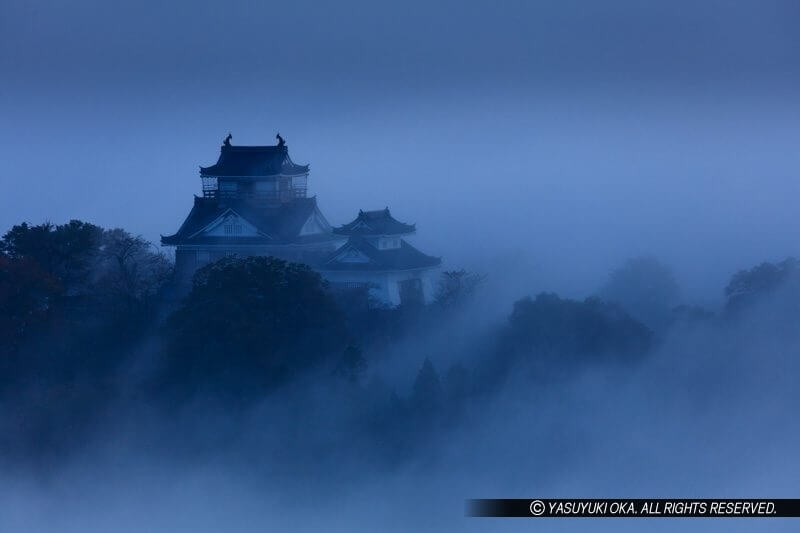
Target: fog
(707, 414)
(539, 143)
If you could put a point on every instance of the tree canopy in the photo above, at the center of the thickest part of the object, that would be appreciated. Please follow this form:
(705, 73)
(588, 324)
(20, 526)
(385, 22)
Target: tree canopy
(456, 287)
(254, 320)
(746, 287)
(65, 251)
(77, 272)
(560, 329)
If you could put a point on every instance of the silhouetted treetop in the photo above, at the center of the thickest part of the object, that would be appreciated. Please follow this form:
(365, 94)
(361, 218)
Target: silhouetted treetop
(456, 287)
(254, 320)
(65, 251)
(27, 298)
(549, 325)
(746, 287)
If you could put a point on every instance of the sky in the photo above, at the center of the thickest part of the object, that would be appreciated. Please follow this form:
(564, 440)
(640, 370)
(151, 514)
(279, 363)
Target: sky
(543, 142)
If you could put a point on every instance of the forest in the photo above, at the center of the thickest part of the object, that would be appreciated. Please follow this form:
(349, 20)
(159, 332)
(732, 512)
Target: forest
(95, 337)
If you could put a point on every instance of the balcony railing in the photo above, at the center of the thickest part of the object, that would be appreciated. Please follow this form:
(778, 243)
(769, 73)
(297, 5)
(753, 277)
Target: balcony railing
(276, 196)
(285, 190)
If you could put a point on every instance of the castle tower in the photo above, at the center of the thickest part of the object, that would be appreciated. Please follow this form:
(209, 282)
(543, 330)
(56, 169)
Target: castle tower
(377, 256)
(254, 202)
(264, 173)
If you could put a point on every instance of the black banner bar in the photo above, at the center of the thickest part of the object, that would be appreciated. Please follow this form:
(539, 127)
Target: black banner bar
(634, 508)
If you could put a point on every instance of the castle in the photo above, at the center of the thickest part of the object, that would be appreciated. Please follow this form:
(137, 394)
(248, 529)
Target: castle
(255, 202)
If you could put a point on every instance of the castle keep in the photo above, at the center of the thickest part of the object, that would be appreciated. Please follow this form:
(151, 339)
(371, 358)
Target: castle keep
(255, 202)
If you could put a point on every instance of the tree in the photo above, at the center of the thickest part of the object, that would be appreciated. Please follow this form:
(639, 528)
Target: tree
(645, 288)
(251, 323)
(129, 272)
(27, 295)
(749, 286)
(72, 302)
(557, 331)
(97, 270)
(456, 287)
(67, 251)
(85, 291)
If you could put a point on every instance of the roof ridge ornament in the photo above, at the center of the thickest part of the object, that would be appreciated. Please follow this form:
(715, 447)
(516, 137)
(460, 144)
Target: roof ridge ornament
(227, 141)
(281, 142)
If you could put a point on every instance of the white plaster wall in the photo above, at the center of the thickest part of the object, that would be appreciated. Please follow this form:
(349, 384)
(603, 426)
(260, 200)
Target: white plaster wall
(388, 290)
(430, 284)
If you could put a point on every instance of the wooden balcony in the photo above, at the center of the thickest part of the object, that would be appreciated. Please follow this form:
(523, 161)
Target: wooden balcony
(283, 196)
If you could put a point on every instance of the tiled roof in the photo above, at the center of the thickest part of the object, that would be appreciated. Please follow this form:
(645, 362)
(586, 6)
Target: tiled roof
(279, 224)
(253, 161)
(379, 222)
(406, 257)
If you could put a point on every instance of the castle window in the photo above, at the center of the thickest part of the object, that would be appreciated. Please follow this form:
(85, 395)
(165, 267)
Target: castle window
(385, 243)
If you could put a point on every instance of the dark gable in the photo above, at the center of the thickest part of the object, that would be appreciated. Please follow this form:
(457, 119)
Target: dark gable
(282, 223)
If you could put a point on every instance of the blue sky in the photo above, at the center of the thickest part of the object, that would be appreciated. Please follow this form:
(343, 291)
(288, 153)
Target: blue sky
(559, 137)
